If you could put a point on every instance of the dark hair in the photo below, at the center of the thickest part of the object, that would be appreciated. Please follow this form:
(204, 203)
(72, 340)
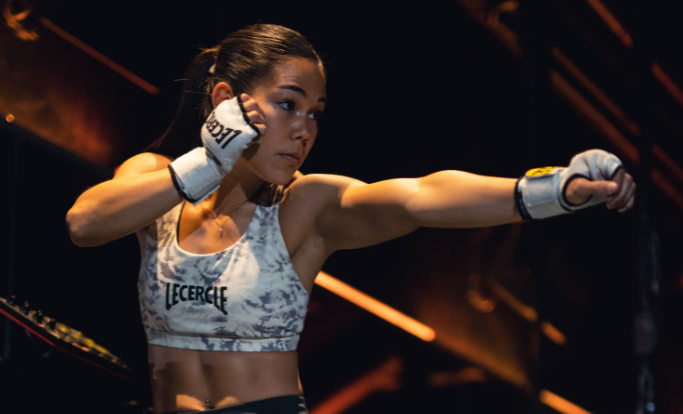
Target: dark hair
(244, 58)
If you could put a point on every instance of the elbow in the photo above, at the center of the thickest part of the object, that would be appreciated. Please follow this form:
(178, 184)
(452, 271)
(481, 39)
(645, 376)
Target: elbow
(79, 229)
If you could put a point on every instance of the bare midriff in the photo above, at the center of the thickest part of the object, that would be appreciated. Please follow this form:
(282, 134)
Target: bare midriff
(192, 380)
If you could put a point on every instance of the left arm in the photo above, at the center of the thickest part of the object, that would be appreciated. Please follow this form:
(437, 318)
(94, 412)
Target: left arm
(359, 214)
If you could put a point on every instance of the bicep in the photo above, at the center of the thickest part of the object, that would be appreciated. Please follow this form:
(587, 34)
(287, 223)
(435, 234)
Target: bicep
(367, 214)
(141, 164)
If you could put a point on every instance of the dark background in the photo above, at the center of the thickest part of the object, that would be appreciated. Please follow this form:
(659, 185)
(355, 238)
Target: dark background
(412, 89)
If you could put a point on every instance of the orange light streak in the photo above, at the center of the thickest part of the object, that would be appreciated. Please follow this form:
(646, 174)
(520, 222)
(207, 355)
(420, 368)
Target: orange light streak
(372, 305)
(560, 404)
(667, 162)
(667, 188)
(553, 333)
(527, 312)
(609, 131)
(581, 105)
(611, 22)
(384, 378)
(671, 86)
(100, 57)
(595, 90)
(455, 378)
(668, 83)
(626, 39)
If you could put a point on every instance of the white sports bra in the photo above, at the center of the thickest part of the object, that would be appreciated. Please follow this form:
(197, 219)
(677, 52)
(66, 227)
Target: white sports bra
(245, 298)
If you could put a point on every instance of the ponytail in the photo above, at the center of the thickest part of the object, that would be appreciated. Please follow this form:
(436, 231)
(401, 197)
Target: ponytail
(183, 134)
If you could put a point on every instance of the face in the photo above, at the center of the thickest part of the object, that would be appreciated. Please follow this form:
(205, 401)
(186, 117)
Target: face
(291, 104)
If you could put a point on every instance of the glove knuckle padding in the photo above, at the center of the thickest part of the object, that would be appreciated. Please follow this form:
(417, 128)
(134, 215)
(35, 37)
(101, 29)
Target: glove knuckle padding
(226, 133)
(541, 193)
(594, 165)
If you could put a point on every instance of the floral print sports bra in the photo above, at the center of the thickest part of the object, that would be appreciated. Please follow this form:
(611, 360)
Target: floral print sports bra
(244, 298)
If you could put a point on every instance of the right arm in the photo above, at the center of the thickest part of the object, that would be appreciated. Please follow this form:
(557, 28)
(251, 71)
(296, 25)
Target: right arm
(141, 191)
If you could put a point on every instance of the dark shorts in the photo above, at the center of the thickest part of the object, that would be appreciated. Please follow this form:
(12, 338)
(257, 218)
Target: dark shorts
(289, 404)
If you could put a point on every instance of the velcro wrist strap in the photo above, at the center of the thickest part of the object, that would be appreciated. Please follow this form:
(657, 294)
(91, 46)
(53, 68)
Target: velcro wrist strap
(538, 191)
(542, 192)
(195, 175)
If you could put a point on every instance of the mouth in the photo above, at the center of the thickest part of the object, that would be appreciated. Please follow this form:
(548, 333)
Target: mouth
(292, 158)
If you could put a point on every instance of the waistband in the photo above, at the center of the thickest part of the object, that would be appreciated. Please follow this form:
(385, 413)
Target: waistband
(288, 404)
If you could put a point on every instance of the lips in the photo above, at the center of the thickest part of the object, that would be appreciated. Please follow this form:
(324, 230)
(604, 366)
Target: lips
(293, 158)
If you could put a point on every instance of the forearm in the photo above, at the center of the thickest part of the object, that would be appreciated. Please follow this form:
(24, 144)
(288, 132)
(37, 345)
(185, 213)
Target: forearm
(119, 207)
(460, 199)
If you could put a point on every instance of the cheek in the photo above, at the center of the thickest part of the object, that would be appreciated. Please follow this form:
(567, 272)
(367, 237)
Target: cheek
(270, 114)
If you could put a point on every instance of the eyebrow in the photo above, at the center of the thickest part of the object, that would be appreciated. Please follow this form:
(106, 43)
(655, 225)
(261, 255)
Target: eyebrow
(301, 91)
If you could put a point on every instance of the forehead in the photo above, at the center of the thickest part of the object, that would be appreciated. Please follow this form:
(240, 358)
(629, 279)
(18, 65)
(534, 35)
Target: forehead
(303, 73)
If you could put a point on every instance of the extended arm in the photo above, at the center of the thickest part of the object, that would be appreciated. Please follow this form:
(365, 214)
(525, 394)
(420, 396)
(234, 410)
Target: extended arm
(361, 214)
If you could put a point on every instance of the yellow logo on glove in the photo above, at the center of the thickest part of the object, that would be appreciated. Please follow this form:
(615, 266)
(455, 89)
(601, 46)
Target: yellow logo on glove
(540, 171)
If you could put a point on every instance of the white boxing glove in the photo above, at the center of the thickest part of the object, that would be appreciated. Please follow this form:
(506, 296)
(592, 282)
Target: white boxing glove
(226, 133)
(541, 192)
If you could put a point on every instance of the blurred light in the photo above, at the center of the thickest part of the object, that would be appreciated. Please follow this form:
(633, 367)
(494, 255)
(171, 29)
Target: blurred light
(505, 7)
(480, 302)
(667, 82)
(612, 22)
(626, 39)
(594, 89)
(100, 57)
(584, 107)
(372, 305)
(666, 161)
(477, 298)
(527, 312)
(560, 404)
(9, 118)
(616, 138)
(383, 378)
(13, 21)
(463, 376)
(553, 334)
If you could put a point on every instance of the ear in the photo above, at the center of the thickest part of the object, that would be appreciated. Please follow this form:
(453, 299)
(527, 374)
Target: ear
(221, 92)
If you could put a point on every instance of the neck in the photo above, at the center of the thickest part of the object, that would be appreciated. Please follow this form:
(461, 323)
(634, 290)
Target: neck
(235, 190)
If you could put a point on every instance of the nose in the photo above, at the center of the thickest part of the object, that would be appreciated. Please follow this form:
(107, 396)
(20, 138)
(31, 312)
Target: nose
(302, 131)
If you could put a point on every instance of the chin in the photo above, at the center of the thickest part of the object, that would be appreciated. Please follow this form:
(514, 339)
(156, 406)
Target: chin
(280, 178)
(275, 174)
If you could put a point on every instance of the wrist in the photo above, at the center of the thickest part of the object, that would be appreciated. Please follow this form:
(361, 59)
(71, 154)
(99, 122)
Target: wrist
(195, 175)
(537, 194)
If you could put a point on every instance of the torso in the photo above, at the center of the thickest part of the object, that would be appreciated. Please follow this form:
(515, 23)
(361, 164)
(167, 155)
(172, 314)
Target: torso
(184, 380)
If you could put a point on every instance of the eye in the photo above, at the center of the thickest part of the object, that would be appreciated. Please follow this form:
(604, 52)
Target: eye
(316, 115)
(287, 104)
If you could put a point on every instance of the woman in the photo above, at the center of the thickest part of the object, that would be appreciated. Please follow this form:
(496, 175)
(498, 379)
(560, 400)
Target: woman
(232, 237)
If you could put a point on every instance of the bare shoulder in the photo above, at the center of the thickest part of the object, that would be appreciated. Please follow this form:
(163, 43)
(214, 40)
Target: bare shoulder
(311, 197)
(142, 163)
(308, 202)
(319, 189)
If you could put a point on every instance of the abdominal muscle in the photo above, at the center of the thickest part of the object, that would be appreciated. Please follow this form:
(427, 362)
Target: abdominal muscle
(193, 380)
